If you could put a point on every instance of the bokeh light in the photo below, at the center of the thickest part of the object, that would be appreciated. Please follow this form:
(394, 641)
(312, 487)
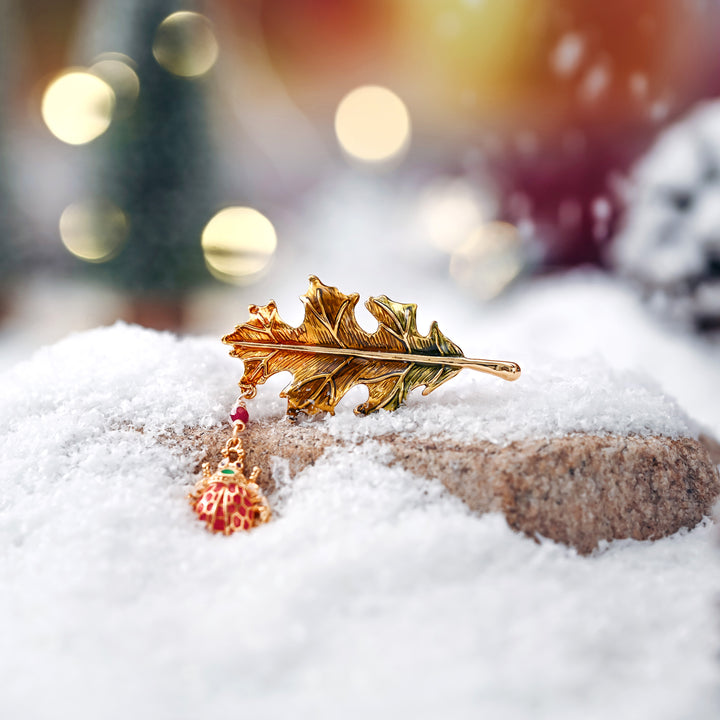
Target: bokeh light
(77, 107)
(93, 230)
(185, 44)
(238, 243)
(489, 260)
(372, 124)
(449, 210)
(117, 70)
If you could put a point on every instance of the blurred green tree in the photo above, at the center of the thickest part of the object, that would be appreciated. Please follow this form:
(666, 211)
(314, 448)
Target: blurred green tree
(9, 260)
(156, 161)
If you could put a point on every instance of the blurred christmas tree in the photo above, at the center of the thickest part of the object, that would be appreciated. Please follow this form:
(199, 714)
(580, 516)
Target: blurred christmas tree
(8, 211)
(156, 160)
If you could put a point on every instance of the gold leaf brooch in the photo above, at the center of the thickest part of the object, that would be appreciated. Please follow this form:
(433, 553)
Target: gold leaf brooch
(329, 353)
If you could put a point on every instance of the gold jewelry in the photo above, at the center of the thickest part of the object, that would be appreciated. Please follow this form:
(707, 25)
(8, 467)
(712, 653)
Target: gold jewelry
(328, 354)
(225, 499)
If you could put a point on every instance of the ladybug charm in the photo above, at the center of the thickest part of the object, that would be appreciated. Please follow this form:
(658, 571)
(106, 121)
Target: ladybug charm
(225, 500)
(225, 507)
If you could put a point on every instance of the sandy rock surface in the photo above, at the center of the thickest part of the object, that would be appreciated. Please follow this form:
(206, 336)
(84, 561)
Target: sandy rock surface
(580, 489)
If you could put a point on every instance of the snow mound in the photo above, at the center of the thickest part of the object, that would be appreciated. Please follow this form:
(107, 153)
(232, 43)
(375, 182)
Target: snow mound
(124, 376)
(373, 593)
(552, 398)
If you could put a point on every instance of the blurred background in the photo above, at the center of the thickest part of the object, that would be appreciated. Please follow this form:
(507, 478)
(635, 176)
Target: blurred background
(168, 162)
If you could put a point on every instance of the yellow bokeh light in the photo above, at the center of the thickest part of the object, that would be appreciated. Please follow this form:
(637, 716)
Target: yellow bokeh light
(77, 107)
(93, 230)
(372, 124)
(489, 260)
(448, 212)
(118, 72)
(185, 44)
(238, 243)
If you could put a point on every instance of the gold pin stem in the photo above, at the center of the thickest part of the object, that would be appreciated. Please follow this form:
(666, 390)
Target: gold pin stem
(498, 368)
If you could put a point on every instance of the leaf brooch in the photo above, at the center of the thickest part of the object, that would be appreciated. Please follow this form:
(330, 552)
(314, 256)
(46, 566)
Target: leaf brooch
(327, 354)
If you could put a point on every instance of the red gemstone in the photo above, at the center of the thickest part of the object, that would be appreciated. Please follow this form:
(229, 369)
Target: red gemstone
(240, 414)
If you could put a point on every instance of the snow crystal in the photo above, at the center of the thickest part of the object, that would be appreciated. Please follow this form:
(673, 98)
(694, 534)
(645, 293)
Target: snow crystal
(659, 110)
(639, 85)
(567, 54)
(595, 82)
(601, 208)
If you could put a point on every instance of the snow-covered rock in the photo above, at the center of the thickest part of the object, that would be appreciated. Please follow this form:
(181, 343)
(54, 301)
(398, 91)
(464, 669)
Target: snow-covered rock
(375, 592)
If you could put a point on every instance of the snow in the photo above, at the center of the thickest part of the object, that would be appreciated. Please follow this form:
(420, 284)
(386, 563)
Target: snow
(374, 591)
(550, 400)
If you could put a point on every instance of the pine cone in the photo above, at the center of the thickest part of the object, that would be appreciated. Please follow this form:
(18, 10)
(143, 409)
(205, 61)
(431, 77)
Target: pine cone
(670, 241)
